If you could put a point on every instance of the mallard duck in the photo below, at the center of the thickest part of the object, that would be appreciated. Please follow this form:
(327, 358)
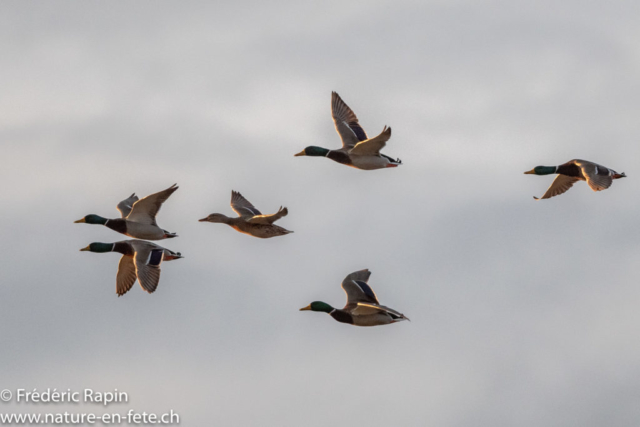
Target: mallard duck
(250, 221)
(138, 216)
(357, 150)
(140, 260)
(363, 308)
(598, 177)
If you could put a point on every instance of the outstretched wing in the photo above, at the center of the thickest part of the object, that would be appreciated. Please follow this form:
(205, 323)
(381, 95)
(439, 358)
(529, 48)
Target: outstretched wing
(346, 122)
(559, 185)
(145, 210)
(242, 206)
(269, 219)
(357, 290)
(598, 177)
(126, 275)
(125, 206)
(367, 308)
(147, 261)
(372, 147)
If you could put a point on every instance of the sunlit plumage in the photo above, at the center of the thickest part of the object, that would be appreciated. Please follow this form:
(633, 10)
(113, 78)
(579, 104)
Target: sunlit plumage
(362, 308)
(598, 177)
(138, 216)
(357, 150)
(140, 260)
(250, 220)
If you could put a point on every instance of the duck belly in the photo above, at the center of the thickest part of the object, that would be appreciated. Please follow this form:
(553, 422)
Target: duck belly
(369, 162)
(262, 231)
(376, 319)
(144, 231)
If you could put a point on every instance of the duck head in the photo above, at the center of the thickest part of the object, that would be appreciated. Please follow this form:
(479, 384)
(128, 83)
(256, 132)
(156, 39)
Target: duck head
(99, 247)
(92, 219)
(318, 306)
(542, 170)
(313, 151)
(215, 217)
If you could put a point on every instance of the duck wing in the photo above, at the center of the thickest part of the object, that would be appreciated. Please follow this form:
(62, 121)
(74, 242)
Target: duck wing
(144, 211)
(269, 219)
(147, 260)
(559, 185)
(357, 289)
(242, 206)
(372, 147)
(126, 275)
(364, 309)
(598, 177)
(346, 123)
(125, 206)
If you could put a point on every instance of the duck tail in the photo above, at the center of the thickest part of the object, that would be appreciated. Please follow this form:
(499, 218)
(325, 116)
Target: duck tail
(394, 163)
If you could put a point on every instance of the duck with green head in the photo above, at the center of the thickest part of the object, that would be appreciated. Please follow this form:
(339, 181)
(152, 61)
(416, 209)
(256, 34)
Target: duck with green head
(598, 177)
(362, 308)
(140, 260)
(138, 216)
(357, 150)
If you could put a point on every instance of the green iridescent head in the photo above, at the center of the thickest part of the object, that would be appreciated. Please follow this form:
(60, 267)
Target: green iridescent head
(318, 306)
(92, 219)
(542, 170)
(313, 151)
(99, 247)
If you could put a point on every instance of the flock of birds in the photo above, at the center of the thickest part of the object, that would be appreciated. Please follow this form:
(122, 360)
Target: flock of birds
(141, 259)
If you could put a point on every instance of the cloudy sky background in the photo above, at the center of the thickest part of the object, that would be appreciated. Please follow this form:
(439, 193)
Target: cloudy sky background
(523, 313)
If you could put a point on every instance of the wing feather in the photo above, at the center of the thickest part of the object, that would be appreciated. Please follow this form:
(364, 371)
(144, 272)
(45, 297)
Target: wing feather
(356, 287)
(269, 219)
(148, 268)
(598, 177)
(372, 147)
(145, 210)
(242, 206)
(125, 206)
(126, 275)
(346, 122)
(559, 185)
(367, 308)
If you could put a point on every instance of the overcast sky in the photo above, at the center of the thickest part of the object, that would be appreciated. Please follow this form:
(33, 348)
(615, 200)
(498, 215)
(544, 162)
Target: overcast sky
(523, 313)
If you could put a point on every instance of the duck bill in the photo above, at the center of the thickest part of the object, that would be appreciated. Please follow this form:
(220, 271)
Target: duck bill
(86, 249)
(531, 172)
(202, 220)
(81, 220)
(302, 153)
(307, 308)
